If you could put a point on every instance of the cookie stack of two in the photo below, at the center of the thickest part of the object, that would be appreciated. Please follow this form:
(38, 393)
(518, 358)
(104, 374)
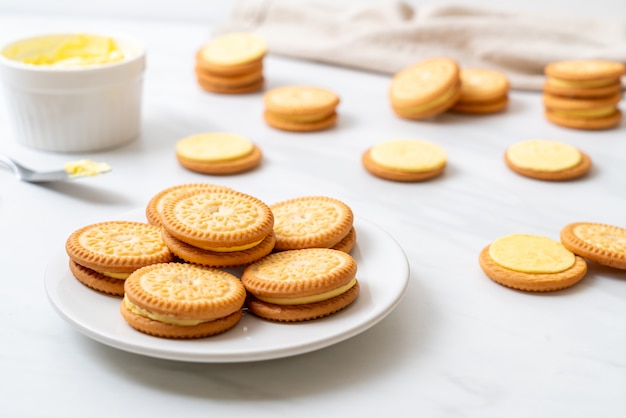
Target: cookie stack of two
(217, 227)
(583, 94)
(231, 64)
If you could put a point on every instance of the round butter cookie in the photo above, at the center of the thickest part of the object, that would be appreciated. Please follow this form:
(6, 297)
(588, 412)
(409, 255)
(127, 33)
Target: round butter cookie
(301, 285)
(312, 222)
(590, 124)
(547, 160)
(300, 108)
(103, 255)
(585, 71)
(218, 221)
(426, 88)
(231, 64)
(482, 91)
(405, 160)
(218, 153)
(155, 204)
(532, 263)
(182, 301)
(601, 243)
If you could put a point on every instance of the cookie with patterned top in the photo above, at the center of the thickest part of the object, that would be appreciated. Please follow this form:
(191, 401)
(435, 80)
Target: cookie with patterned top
(312, 222)
(301, 285)
(155, 204)
(103, 255)
(601, 243)
(182, 301)
(219, 221)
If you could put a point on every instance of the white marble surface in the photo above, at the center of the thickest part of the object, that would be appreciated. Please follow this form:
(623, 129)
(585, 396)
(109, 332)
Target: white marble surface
(458, 345)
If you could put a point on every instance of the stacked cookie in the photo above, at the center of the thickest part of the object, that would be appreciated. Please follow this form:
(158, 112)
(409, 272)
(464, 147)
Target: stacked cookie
(482, 91)
(425, 89)
(313, 222)
(231, 64)
(300, 108)
(218, 153)
(103, 255)
(583, 94)
(301, 285)
(217, 227)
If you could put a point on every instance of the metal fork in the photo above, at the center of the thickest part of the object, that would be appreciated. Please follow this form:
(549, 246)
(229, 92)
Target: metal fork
(32, 176)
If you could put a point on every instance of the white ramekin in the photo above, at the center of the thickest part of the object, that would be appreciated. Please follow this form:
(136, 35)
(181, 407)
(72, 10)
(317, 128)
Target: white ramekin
(75, 109)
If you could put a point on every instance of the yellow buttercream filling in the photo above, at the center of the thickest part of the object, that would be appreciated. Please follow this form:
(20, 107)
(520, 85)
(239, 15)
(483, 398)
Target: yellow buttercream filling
(542, 155)
(234, 48)
(586, 113)
(408, 155)
(120, 276)
(161, 318)
(66, 51)
(310, 299)
(559, 82)
(214, 147)
(531, 254)
(231, 249)
(81, 168)
(433, 103)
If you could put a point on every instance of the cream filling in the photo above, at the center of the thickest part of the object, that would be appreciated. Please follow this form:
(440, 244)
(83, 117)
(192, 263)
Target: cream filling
(586, 113)
(231, 249)
(120, 276)
(531, 254)
(80, 168)
(80, 50)
(162, 318)
(310, 299)
(543, 155)
(559, 82)
(434, 103)
(411, 155)
(214, 147)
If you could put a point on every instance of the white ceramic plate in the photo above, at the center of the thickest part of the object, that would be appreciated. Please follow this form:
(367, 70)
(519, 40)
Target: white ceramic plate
(383, 273)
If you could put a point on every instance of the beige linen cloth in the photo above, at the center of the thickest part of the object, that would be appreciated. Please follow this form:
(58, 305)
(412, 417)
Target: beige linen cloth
(390, 35)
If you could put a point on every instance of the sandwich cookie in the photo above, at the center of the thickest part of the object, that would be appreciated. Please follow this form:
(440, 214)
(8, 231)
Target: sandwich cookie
(532, 263)
(217, 228)
(231, 64)
(482, 91)
(300, 108)
(601, 243)
(547, 160)
(155, 204)
(425, 89)
(313, 222)
(588, 113)
(182, 301)
(103, 255)
(218, 153)
(405, 160)
(301, 285)
(584, 78)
